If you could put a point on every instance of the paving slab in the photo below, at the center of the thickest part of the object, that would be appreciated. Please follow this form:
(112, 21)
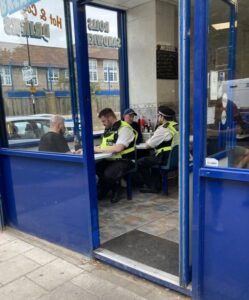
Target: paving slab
(13, 248)
(54, 274)
(21, 289)
(121, 293)
(5, 238)
(16, 267)
(163, 294)
(40, 256)
(91, 283)
(69, 291)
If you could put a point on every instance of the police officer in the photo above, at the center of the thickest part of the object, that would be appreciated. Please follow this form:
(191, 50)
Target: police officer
(119, 138)
(128, 117)
(163, 139)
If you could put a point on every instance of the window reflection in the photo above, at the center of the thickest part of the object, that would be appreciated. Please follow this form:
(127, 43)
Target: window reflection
(35, 73)
(228, 89)
(104, 44)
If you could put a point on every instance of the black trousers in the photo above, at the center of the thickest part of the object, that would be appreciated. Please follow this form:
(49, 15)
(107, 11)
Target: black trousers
(109, 172)
(148, 176)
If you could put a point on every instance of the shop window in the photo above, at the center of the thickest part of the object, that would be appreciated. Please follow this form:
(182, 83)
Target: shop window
(110, 71)
(29, 109)
(5, 73)
(53, 75)
(34, 80)
(93, 70)
(227, 144)
(103, 48)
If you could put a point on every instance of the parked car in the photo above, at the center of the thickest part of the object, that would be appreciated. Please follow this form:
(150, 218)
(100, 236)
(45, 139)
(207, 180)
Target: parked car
(69, 125)
(26, 131)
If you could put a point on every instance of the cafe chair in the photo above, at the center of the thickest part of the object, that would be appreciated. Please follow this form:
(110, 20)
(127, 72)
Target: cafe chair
(170, 165)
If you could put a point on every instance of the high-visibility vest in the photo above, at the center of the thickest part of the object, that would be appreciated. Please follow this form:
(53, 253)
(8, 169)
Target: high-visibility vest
(168, 145)
(110, 138)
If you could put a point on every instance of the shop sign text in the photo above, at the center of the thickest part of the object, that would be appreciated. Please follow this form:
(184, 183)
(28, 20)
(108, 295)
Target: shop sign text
(99, 40)
(24, 28)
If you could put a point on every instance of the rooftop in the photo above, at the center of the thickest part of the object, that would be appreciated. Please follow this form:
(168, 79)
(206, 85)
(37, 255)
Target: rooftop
(17, 54)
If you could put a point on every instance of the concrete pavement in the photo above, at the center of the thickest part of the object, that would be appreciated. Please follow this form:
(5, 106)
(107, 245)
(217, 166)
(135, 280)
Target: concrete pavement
(31, 268)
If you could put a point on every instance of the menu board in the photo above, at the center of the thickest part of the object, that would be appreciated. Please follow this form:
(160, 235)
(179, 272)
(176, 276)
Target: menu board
(167, 62)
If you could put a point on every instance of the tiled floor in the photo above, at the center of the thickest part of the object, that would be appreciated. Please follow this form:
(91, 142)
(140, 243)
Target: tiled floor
(155, 214)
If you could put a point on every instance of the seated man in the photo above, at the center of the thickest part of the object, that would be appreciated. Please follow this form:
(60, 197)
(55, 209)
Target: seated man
(163, 139)
(119, 138)
(54, 140)
(239, 157)
(128, 117)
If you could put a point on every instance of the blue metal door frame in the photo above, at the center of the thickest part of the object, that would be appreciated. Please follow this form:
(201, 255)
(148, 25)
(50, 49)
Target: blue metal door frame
(207, 180)
(86, 111)
(184, 109)
(184, 96)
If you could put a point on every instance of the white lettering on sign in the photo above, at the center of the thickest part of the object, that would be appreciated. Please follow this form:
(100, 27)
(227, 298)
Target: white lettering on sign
(27, 73)
(99, 40)
(103, 41)
(8, 7)
(98, 25)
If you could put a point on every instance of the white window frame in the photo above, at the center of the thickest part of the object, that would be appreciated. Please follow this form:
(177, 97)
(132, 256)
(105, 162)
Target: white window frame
(93, 70)
(34, 79)
(67, 74)
(55, 75)
(5, 73)
(110, 68)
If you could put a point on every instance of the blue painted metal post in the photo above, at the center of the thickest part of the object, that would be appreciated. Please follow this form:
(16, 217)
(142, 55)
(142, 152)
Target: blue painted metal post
(231, 137)
(200, 110)
(86, 111)
(3, 143)
(71, 68)
(184, 96)
(123, 62)
(232, 41)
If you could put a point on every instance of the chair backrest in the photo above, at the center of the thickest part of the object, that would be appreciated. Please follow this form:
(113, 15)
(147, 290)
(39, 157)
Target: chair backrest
(172, 162)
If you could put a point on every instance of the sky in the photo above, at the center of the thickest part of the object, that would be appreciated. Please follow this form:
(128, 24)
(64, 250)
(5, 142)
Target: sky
(57, 35)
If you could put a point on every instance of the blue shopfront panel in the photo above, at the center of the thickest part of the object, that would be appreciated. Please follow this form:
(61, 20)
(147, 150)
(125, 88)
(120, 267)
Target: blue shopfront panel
(226, 240)
(49, 199)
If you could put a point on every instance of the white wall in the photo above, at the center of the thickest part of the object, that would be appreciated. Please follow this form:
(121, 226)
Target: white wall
(149, 24)
(141, 27)
(167, 34)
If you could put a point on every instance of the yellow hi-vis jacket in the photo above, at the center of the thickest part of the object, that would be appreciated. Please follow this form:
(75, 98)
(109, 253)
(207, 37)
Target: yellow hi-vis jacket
(110, 138)
(168, 145)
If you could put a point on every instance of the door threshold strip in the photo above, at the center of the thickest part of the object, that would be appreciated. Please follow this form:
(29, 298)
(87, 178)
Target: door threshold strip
(154, 275)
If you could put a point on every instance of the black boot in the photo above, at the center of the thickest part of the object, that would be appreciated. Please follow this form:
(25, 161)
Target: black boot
(115, 196)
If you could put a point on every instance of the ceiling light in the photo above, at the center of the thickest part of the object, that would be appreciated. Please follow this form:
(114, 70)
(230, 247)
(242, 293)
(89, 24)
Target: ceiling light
(222, 26)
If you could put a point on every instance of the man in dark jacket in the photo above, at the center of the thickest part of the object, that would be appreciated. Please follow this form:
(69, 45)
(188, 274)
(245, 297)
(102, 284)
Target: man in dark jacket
(54, 140)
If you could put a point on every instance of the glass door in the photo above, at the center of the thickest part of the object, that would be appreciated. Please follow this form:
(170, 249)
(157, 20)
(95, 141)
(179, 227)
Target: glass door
(145, 230)
(221, 151)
